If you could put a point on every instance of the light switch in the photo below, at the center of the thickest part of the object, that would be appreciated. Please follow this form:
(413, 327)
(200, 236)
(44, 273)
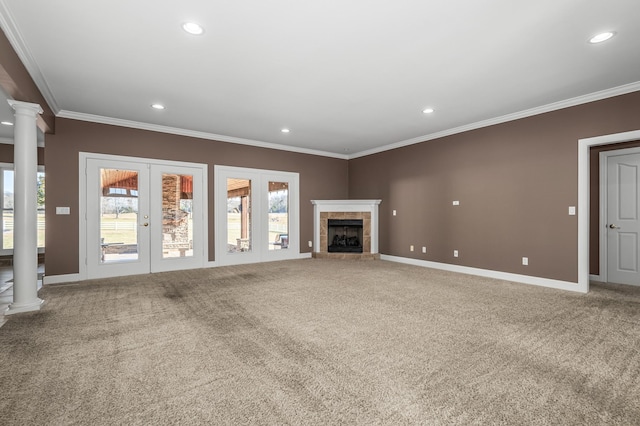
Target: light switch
(63, 210)
(394, 212)
(572, 210)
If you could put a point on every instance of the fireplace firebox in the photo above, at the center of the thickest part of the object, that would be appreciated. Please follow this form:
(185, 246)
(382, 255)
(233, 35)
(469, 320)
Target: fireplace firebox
(344, 235)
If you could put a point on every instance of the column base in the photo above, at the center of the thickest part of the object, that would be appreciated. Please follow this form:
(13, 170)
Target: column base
(16, 308)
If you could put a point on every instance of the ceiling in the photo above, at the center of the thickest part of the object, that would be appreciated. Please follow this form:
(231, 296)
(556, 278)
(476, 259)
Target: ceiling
(347, 78)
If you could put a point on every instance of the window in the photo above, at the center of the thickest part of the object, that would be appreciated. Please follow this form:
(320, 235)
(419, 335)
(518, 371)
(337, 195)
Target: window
(257, 215)
(6, 182)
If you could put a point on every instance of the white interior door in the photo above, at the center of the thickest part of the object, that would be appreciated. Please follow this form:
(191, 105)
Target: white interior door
(256, 215)
(623, 217)
(143, 217)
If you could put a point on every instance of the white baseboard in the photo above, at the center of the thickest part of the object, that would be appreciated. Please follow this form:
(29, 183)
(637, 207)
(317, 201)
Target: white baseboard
(57, 279)
(305, 255)
(506, 276)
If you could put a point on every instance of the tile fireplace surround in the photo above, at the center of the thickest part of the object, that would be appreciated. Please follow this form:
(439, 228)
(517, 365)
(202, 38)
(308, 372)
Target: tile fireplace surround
(367, 210)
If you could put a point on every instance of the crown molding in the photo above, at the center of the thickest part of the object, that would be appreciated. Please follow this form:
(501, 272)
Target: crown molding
(17, 42)
(192, 133)
(579, 100)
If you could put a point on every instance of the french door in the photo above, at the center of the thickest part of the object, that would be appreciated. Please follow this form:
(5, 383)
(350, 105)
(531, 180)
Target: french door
(256, 215)
(143, 216)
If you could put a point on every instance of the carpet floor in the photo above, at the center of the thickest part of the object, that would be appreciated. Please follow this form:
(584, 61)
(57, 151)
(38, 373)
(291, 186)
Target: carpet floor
(322, 342)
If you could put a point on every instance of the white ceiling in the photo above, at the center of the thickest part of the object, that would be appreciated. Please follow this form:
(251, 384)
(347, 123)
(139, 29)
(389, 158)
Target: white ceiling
(347, 77)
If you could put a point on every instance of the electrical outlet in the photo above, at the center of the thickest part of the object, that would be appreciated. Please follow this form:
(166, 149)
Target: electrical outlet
(424, 249)
(410, 248)
(525, 261)
(310, 243)
(455, 253)
(394, 212)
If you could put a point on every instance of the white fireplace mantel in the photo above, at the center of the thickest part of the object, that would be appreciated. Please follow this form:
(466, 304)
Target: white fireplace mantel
(370, 206)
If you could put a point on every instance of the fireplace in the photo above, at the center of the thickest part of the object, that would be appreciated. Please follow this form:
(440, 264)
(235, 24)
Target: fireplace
(344, 235)
(346, 229)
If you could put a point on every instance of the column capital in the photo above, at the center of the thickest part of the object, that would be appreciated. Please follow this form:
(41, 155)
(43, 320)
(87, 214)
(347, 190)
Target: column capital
(25, 106)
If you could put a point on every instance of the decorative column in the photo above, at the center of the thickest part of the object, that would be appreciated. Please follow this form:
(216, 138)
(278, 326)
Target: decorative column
(25, 219)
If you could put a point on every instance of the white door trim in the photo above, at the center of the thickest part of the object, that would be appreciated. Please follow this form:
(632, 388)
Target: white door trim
(82, 200)
(583, 197)
(603, 251)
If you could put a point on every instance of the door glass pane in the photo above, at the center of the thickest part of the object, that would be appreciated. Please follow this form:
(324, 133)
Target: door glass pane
(177, 215)
(238, 215)
(278, 215)
(118, 215)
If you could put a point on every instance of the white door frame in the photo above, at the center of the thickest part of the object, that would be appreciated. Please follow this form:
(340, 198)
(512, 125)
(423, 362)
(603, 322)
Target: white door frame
(604, 182)
(259, 201)
(82, 207)
(583, 197)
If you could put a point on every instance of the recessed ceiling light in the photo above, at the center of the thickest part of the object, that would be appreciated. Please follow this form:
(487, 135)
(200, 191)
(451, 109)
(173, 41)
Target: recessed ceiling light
(428, 110)
(157, 106)
(6, 123)
(599, 38)
(285, 130)
(192, 28)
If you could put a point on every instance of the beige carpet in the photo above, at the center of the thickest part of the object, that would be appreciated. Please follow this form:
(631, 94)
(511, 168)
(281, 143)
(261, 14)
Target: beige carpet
(321, 342)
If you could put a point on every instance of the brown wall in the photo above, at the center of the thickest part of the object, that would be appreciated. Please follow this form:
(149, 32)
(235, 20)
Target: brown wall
(515, 182)
(594, 201)
(6, 154)
(320, 177)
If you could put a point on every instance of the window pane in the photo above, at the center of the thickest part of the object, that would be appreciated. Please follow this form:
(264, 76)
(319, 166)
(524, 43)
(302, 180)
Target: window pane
(278, 215)
(118, 215)
(177, 221)
(238, 215)
(41, 198)
(7, 201)
(7, 205)
(7, 229)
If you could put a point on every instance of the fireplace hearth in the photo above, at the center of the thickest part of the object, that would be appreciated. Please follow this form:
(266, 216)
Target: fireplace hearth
(345, 235)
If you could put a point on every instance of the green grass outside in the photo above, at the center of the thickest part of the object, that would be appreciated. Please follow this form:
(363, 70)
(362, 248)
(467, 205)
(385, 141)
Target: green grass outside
(7, 230)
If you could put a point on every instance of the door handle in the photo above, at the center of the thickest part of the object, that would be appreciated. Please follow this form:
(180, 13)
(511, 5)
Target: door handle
(612, 226)
(145, 224)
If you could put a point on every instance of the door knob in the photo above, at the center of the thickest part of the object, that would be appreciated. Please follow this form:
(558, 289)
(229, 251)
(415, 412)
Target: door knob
(145, 224)
(612, 226)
